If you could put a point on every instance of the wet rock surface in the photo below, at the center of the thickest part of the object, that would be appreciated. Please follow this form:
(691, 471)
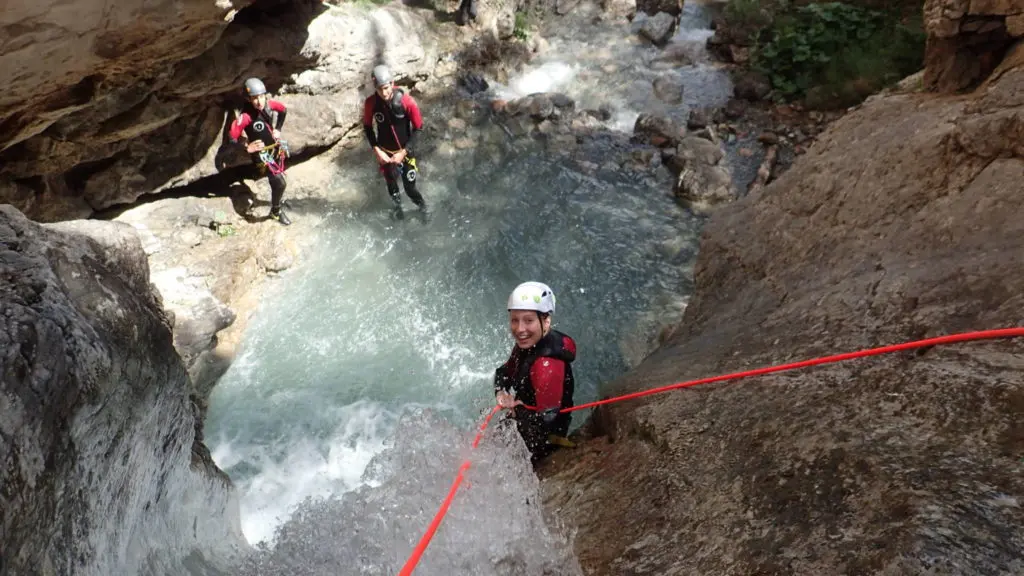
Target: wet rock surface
(94, 406)
(703, 181)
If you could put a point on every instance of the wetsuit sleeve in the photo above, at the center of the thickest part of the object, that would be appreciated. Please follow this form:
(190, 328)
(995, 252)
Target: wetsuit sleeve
(501, 383)
(281, 110)
(501, 380)
(238, 125)
(413, 111)
(548, 376)
(416, 119)
(371, 137)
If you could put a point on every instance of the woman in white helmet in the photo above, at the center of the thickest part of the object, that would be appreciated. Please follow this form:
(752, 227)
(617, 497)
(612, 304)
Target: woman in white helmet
(538, 373)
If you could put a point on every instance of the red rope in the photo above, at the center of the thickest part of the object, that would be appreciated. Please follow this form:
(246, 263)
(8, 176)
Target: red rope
(951, 339)
(421, 547)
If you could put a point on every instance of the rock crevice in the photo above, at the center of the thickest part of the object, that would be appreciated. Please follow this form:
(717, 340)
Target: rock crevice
(967, 40)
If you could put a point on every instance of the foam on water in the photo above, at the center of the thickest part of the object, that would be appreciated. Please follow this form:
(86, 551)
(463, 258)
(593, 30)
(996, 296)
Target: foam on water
(497, 525)
(548, 77)
(308, 469)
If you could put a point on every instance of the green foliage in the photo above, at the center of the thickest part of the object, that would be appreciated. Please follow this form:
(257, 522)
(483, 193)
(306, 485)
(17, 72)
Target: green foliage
(839, 51)
(521, 30)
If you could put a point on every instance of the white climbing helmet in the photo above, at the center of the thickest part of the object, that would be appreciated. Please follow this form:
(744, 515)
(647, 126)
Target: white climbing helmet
(532, 296)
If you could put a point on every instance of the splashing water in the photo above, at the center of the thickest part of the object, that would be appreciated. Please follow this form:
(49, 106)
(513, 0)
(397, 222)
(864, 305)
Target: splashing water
(345, 418)
(388, 316)
(497, 527)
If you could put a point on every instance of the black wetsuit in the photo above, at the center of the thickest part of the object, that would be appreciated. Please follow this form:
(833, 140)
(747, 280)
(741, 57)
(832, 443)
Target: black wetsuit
(257, 125)
(393, 126)
(540, 376)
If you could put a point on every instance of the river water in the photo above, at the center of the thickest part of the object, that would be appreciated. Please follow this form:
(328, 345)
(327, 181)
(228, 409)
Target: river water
(363, 374)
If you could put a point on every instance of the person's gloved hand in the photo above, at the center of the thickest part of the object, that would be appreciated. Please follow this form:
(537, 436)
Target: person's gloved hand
(506, 400)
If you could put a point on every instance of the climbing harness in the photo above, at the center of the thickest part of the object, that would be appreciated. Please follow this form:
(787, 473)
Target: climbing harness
(421, 546)
(399, 171)
(272, 157)
(409, 174)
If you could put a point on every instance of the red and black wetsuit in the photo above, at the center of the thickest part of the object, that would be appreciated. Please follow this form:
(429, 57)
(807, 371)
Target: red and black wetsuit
(540, 376)
(260, 125)
(394, 125)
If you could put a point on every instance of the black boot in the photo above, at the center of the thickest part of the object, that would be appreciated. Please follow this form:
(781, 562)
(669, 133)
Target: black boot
(280, 216)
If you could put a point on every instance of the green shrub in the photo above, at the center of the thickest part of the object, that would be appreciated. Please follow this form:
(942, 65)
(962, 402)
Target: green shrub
(521, 30)
(837, 51)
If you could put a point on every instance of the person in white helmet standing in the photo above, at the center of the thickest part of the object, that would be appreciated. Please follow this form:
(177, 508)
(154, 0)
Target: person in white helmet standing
(538, 373)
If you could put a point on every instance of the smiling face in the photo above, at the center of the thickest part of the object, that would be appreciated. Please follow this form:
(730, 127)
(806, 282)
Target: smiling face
(386, 91)
(527, 327)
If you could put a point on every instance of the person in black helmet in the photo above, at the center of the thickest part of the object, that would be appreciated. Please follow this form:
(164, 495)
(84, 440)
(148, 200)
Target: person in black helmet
(392, 123)
(262, 134)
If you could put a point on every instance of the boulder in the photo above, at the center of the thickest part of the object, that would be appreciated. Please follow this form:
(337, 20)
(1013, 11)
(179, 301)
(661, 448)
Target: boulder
(658, 28)
(751, 85)
(658, 130)
(96, 419)
(703, 180)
